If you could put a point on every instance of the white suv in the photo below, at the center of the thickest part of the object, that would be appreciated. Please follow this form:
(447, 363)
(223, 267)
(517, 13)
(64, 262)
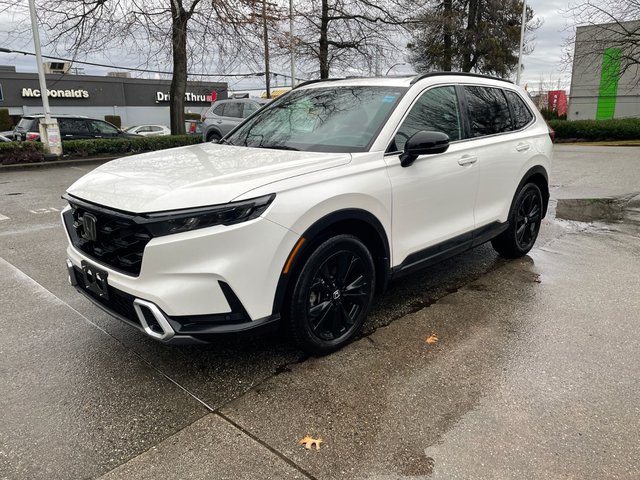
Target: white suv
(310, 206)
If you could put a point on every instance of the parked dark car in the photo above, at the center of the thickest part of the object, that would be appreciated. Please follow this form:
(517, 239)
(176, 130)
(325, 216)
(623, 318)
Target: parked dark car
(71, 128)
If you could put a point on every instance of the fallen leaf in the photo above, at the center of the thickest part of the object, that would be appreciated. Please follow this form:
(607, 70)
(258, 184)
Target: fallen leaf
(433, 338)
(309, 442)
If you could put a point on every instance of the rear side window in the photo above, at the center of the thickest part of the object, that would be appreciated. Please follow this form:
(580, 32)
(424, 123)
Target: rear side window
(72, 125)
(522, 115)
(219, 110)
(488, 111)
(436, 110)
(233, 109)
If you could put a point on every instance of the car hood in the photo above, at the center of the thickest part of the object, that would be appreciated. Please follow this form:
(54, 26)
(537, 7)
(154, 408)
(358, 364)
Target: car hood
(193, 176)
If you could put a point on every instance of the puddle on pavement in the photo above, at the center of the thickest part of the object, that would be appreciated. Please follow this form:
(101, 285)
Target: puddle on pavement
(624, 208)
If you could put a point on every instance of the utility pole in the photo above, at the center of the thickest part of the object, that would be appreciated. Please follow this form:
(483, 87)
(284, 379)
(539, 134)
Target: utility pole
(292, 46)
(49, 131)
(265, 32)
(522, 28)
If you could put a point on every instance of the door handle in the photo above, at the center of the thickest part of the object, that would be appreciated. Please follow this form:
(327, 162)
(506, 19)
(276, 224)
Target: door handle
(522, 147)
(467, 160)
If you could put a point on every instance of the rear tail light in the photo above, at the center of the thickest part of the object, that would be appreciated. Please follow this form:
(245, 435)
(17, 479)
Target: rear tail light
(552, 134)
(32, 136)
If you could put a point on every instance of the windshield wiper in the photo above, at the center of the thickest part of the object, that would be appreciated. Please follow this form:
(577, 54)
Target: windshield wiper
(279, 147)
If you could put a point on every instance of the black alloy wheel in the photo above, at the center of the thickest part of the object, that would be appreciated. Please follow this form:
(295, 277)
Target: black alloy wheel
(525, 219)
(332, 295)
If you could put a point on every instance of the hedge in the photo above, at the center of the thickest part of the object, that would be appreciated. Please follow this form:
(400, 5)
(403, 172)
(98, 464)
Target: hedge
(597, 130)
(20, 152)
(29, 152)
(192, 116)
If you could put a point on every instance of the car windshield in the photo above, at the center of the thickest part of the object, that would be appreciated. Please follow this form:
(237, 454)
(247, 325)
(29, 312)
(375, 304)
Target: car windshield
(330, 119)
(131, 129)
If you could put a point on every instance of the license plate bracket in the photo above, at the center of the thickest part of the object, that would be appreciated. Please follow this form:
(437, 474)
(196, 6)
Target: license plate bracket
(95, 280)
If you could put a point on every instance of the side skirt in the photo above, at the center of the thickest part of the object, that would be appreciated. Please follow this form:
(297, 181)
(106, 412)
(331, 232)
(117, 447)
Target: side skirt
(447, 249)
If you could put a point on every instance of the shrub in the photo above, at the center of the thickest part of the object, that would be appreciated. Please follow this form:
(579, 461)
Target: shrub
(192, 116)
(552, 114)
(114, 119)
(20, 152)
(123, 146)
(596, 130)
(6, 123)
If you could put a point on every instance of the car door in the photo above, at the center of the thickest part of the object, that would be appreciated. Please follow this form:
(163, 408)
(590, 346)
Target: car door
(501, 151)
(232, 116)
(433, 199)
(100, 129)
(74, 128)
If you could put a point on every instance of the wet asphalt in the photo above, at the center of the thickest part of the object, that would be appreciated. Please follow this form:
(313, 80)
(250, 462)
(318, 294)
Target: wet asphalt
(534, 375)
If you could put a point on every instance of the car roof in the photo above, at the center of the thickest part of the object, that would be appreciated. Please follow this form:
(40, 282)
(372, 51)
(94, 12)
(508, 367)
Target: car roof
(55, 115)
(402, 81)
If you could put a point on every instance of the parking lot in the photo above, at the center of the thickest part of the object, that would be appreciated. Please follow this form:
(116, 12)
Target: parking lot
(534, 373)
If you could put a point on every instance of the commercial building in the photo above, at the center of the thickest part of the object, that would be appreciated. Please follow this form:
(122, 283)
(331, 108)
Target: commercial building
(136, 101)
(603, 83)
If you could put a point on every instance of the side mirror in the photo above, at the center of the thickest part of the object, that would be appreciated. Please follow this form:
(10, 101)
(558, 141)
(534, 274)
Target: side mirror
(423, 143)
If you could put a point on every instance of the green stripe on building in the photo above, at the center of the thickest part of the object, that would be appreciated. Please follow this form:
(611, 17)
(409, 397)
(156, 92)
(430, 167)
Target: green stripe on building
(609, 76)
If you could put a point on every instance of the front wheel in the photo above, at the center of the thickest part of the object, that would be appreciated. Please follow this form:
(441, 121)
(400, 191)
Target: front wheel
(332, 295)
(525, 219)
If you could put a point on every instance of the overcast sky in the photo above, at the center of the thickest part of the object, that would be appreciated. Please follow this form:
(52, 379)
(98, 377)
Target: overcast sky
(544, 63)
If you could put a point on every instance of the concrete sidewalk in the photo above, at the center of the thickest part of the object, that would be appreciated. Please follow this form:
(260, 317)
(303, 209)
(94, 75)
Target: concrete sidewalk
(534, 375)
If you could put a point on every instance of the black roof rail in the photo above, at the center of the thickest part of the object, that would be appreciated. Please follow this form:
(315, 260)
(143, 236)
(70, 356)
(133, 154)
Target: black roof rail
(318, 80)
(417, 78)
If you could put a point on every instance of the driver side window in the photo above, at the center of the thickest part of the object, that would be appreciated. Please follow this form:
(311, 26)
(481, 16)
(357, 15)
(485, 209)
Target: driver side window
(436, 110)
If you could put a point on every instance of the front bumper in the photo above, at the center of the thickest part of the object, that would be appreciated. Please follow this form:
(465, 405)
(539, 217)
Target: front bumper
(151, 320)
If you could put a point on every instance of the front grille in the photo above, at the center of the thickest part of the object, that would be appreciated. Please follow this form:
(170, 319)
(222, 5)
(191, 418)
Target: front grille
(119, 241)
(119, 301)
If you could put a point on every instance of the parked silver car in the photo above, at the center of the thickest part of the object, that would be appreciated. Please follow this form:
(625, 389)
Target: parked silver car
(149, 130)
(224, 115)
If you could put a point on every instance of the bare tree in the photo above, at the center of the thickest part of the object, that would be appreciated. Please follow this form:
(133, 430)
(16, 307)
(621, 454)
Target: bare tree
(606, 24)
(348, 35)
(186, 33)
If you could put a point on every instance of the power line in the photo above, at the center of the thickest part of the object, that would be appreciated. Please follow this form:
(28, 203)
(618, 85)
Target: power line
(133, 69)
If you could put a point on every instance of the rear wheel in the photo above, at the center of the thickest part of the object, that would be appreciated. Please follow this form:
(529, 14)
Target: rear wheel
(213, 136)
(525, 219)
(332, 295)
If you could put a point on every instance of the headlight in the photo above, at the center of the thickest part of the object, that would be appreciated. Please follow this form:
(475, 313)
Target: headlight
(167, 223)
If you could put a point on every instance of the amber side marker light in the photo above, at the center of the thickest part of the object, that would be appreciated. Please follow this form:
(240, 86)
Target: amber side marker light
(293, 254)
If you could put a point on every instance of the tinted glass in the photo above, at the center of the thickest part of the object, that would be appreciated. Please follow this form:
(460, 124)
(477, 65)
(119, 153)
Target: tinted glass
(233, 109)
(96, 126)
(436, 110)
(488, 110)
(219, 110)
(72, 125)
(522, 115)
(322, 119)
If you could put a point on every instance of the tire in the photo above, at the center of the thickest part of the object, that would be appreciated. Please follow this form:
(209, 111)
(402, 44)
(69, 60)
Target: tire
(525, 219)
(332, 295)
(213, 136)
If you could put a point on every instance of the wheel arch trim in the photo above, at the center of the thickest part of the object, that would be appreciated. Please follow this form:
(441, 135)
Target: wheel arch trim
(313, 232)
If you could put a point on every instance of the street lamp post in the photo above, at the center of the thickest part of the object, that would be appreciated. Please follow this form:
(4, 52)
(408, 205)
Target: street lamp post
(292, 45)
(49, 131)
(522, 28)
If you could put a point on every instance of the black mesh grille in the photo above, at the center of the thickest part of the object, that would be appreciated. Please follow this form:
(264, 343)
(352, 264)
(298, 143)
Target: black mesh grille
(119, 301)
(119, 241)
